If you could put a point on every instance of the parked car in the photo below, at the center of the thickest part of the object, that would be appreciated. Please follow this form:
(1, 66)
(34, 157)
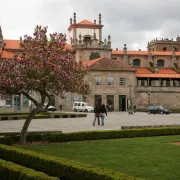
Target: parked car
(82, 107)
(50, 108)
(158, 109)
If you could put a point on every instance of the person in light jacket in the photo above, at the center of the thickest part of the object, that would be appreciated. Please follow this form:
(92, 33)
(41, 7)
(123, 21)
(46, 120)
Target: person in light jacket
(102, 114)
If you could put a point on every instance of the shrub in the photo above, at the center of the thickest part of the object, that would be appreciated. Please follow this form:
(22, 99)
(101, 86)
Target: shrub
(126, 132)
(12, 171)
(6, 140)
(60, 167)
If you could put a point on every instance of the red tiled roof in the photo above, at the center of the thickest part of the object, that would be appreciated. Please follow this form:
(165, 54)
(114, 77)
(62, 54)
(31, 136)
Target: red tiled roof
(163, 73)
(12, 44)
(86, 22)
(91, 62)
(7, 55)
(68, 46)
(167, 53)
(105, 64)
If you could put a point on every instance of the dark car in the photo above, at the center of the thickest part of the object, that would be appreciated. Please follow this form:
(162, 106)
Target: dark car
(158, 109)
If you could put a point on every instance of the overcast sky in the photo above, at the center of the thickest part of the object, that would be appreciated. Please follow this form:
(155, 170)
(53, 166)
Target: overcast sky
(131, 22)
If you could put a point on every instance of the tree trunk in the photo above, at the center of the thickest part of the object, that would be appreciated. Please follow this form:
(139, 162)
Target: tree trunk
(26, 125)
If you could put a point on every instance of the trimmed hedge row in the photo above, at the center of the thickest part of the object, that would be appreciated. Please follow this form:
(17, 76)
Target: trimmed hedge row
(60, 167)
(95, 135)
(40, 116)
(154, 126)
(12, 171)
(6, 140)
(108, 134)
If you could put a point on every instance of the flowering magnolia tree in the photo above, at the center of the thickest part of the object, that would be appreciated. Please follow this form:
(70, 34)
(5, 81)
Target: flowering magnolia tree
(45, 67)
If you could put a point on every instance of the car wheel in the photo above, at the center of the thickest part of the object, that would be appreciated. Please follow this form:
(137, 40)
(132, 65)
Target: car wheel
(161, 112)
(75, 110)
(86, 110)
(148, 112)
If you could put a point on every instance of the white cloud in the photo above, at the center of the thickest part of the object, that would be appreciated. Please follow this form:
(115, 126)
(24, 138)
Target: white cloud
(129, 22)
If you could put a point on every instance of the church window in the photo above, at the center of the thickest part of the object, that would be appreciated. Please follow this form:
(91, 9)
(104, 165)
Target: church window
(94, 55)
(175, 49)
(160, 63)
(136, 62)
(87, 39)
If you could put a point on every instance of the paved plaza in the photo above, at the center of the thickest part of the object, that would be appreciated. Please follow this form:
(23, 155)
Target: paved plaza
(114, 120)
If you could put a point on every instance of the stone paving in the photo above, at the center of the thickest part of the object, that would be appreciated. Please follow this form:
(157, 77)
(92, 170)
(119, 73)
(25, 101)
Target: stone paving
(114, 120)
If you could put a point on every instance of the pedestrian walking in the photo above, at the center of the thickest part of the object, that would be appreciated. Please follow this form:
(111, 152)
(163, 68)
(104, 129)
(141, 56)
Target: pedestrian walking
(96, 115)
(102, 114)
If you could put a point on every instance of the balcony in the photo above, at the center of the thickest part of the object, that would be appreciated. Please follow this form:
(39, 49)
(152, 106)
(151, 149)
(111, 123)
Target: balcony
(147, 89)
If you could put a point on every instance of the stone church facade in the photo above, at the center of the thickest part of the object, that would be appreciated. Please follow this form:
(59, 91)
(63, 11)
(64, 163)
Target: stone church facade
(117, 77)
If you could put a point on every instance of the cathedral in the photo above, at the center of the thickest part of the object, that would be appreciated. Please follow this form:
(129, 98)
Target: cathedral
(119, 78)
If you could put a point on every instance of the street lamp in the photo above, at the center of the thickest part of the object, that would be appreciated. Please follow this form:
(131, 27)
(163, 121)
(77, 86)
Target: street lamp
(149, 98)
(130, 95)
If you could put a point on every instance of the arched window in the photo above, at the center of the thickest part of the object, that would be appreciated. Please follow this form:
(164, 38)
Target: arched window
(87, 39)
(160, 63)
(175, 49)
(136, 62)
(164, 48)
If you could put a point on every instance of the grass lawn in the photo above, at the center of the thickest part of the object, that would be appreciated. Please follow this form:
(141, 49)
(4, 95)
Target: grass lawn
(149, 158)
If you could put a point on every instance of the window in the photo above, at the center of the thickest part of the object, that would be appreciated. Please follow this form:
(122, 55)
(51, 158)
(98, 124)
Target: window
(137, 62)
(164, 48)
(94, 55)
(142, 82)
(175, 49)
(122, 81)
(25, 102)
(168, 84)
(160, 63)
(98, 80)
(87, 39)
(9, 100)
(110, 81)
(52, 100)
(68, 100)
(76, 98)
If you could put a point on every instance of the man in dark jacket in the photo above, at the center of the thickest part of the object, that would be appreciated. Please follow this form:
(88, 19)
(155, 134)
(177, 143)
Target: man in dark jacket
(96, 114)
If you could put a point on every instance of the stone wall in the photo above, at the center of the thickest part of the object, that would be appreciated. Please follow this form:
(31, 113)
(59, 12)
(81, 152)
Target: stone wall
(166, 99)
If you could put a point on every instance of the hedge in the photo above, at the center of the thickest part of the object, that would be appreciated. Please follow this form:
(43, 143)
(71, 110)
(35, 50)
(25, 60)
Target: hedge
(6, 140)
(59, 167)
(107, 134)
(153, 126)
(12, 171)
(95, 135)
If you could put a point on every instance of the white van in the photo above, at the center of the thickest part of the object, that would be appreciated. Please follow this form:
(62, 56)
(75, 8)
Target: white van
(82, 107)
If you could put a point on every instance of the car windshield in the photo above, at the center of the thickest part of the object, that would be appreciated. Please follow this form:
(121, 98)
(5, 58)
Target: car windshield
(160, 107)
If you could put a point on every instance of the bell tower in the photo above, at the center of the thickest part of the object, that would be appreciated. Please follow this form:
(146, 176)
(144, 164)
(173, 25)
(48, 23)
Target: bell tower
(86, 39)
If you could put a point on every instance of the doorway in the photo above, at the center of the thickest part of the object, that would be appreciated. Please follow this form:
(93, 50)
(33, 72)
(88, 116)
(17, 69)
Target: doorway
(97, 100)
(110, 102)
(122, 102)
(16, 102)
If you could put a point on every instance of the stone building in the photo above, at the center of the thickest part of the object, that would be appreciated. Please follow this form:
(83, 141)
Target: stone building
(116, 77)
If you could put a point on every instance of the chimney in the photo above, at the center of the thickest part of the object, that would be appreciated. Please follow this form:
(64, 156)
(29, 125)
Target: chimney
(94, 21)
(139, 49)
(116, 49)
